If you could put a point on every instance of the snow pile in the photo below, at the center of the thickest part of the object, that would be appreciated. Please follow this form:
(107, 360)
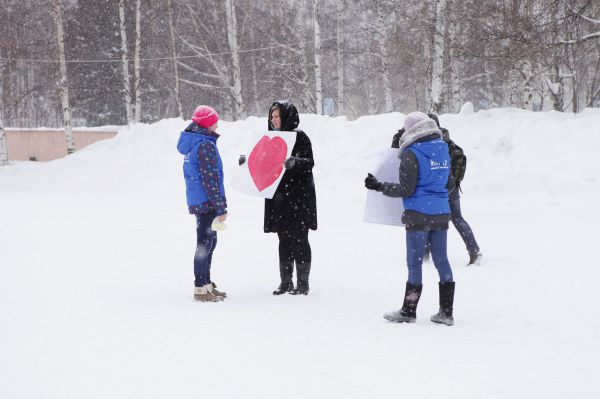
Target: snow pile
(96, 293)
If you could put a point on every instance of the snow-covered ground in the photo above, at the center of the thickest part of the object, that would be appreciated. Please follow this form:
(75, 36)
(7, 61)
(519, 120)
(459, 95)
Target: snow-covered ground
(96, 273)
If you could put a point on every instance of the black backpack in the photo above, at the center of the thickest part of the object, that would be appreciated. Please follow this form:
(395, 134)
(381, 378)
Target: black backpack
(458, 161)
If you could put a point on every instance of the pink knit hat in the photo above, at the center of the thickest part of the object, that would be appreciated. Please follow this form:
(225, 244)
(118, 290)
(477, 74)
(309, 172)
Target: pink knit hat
(205, 116)
(413, 118)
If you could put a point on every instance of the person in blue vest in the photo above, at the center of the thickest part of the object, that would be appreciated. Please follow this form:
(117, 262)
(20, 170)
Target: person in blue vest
(205, 194)
(425, 180)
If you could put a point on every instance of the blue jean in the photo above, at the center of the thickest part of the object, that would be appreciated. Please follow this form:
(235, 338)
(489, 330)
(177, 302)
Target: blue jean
(416, 242)
(206, 241)
(461, 224)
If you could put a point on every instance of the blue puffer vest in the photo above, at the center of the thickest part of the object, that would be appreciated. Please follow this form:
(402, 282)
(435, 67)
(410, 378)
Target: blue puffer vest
(188, 145)
(431, 195)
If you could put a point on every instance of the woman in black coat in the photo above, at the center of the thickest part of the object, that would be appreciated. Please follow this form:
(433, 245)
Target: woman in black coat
(293, 209)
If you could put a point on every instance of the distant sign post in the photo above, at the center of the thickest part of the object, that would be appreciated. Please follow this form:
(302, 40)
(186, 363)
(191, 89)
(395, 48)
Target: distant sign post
(328, 106)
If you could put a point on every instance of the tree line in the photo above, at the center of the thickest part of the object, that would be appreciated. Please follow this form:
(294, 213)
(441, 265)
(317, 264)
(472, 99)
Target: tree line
(124, 61)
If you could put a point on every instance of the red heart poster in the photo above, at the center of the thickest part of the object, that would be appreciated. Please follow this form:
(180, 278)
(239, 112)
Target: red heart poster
(266, 161)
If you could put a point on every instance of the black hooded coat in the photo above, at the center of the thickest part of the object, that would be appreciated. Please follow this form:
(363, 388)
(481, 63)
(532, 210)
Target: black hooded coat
(294, 204)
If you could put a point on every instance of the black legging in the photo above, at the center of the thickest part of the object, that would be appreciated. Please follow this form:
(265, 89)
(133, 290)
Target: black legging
(294, 246)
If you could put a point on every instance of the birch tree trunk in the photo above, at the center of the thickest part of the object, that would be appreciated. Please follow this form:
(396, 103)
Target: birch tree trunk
(575, 98)
(305, 83)
(438, 58)
(385, 69)
(455, 86)
(318, 90)
(240, 111)
(527, 73)
(174, 54)
(340, 55)
(125, 61)
(427, 44)
(256, 100)
(554, 78)
(136, 64)
(571, 64)
(368, 62)
(488, 81)
(64, 83)
(557, 90)
(3, 148)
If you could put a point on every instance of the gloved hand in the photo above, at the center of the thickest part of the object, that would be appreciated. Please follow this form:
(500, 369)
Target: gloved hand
(290, 162)
(242, 160)
(372, 183)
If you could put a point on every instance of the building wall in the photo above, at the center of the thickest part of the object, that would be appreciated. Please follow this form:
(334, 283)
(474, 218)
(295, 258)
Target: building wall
(46, 145)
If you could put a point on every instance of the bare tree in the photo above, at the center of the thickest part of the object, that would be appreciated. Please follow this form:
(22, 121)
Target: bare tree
(131, 92)
(214, 70)
(382, 55)
(381, 32)
(593, 21)
(3, 148)
(240, 111)
(303, 80)
(318, 85)
(368, 61)
(125, 62)
(453, 27)
(437, 69)
(64, 83)
(339, 30)
(172, 35)
(136, 64)
(254, 75)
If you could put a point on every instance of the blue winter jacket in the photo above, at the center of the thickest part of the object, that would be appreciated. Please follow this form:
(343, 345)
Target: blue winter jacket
(202, 170)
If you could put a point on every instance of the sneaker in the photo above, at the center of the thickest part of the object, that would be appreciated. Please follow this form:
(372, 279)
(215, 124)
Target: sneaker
(400, 317)
(442, 318)
(217, 292)
(283, 288)
(205, 294)
(475, 258)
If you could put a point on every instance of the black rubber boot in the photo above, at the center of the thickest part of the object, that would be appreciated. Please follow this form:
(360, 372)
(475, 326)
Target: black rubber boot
(286, 271)
(283, 288)
(444, 315)
(302, 287)
(408, 313)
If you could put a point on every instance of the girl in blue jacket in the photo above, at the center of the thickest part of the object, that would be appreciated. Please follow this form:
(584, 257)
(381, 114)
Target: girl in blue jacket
(205, 193)
(424, 182)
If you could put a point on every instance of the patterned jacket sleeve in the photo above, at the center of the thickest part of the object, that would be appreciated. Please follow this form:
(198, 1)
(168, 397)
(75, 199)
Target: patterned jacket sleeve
(209, 173)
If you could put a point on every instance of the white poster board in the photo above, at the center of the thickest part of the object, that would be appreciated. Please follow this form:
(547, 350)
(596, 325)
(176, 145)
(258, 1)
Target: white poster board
(379, 208)
(260, 175)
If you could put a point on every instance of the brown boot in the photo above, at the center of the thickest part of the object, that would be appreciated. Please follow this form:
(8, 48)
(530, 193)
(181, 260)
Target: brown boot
(217, 292)
(206, 294)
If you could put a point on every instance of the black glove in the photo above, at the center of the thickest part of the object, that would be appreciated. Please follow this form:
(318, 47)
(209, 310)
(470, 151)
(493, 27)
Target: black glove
(371, 183)
(242, 160)
(290, 162)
